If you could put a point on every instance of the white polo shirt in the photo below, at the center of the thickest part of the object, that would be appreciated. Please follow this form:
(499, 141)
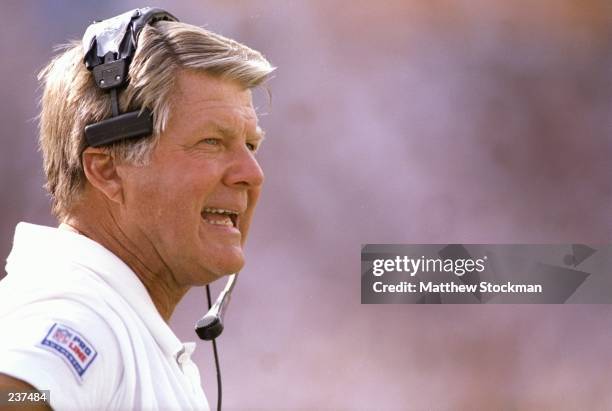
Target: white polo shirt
(76, 320)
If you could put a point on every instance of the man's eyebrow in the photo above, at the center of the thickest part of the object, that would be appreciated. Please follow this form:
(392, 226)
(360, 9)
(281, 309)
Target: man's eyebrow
(260, 133)
(228, 132)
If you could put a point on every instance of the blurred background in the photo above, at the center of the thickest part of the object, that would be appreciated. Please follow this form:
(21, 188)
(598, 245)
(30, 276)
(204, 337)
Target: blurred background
(390, 122)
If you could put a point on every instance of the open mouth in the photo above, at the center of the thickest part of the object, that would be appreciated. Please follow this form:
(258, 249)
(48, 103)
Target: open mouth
(220, 216)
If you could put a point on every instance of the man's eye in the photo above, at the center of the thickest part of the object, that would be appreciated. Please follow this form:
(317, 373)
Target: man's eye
(211, 141)
(251, 146)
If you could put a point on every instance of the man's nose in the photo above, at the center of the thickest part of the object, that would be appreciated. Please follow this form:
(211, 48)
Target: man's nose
(245, 170)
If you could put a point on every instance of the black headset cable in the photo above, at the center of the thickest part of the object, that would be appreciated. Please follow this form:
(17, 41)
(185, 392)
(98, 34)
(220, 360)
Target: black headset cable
(214, 344)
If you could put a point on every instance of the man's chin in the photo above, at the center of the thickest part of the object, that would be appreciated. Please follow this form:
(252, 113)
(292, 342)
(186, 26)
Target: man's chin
(214, 263)
(209, 278)
(225, 268)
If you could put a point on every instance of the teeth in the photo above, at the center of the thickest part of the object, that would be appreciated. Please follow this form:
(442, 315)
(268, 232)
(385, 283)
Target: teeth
(227, 222)
(220, 211)
(230, 216)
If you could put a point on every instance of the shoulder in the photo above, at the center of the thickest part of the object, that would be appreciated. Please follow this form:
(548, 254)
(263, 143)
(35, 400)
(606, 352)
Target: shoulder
(64, 346)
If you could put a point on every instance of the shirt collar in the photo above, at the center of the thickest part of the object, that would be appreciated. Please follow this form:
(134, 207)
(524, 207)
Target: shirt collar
(52, 244)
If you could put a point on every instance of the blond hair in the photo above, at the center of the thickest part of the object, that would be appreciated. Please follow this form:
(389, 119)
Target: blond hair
(71, 100)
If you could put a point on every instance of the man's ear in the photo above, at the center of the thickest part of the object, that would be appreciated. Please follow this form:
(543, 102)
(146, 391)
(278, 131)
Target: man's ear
(101, 171)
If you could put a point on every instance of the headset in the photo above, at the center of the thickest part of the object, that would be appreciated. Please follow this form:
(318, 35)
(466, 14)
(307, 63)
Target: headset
(109, 47)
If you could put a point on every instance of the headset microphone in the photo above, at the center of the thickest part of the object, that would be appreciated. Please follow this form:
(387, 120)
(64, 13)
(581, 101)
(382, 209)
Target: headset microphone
(210, 326)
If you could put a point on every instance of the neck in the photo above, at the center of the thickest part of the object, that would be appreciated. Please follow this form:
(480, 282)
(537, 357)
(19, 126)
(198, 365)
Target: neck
(148, 266)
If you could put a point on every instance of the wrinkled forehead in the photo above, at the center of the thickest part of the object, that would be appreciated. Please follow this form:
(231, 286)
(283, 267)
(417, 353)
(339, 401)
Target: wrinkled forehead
(201, 101)
(197, 88)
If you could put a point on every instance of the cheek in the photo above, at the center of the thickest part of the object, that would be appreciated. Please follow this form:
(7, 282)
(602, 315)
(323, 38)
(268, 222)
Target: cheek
(170, 196)
(154, 200)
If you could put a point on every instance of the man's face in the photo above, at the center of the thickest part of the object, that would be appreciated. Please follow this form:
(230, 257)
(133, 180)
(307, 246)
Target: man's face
(191, 207)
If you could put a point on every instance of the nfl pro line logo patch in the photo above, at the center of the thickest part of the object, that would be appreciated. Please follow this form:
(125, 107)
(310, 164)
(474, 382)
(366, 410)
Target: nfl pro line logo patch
(74, 349)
